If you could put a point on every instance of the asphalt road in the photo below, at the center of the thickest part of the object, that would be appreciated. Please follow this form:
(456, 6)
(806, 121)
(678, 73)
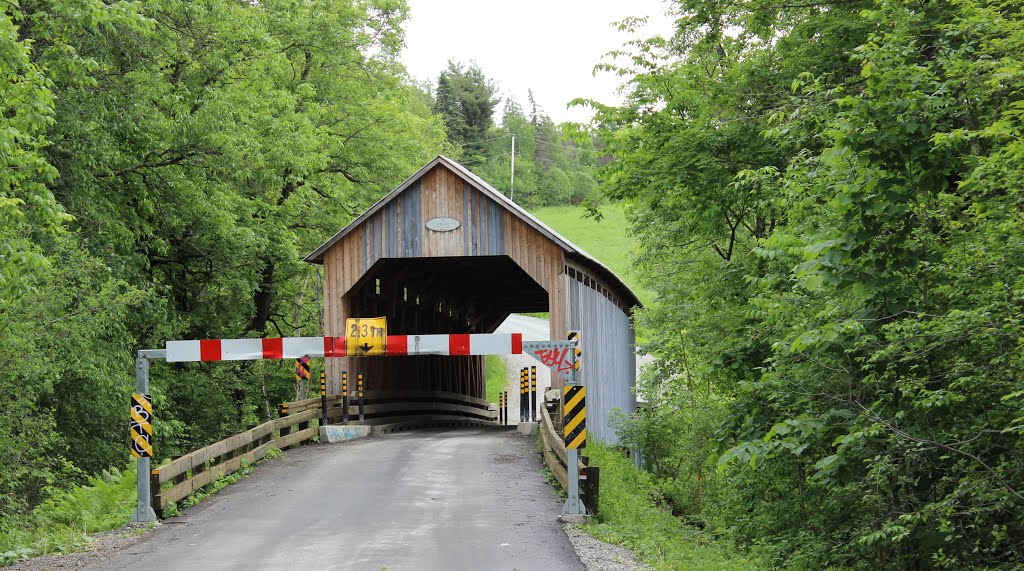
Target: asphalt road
(454, 499)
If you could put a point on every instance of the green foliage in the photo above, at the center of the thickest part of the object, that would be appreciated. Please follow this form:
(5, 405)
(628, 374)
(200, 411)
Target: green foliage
(465, 99)
(165, 166)
(551, 167)
(606, 238)
(63, 522)
(827, 204)
(497, 376)
(633, 515)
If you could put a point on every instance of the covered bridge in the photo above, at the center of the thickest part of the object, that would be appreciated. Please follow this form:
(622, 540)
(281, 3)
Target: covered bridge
(447, 253)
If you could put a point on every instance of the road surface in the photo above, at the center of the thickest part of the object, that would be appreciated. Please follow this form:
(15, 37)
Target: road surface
(459, 499)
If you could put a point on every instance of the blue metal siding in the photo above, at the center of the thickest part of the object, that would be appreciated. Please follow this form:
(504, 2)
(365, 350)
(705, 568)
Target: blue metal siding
(609, 361)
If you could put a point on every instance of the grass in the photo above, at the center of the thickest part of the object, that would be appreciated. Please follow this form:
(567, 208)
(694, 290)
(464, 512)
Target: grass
(497, 377)
(630, 517)
(62, 524)
(603, 239)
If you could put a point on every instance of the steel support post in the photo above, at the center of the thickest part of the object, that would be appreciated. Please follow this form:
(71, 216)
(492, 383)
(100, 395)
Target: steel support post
(573, 505)
(144, 510)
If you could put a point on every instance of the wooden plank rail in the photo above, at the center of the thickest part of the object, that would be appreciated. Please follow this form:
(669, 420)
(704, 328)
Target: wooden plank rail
(202, 467)
(554, 449)
(195, 470)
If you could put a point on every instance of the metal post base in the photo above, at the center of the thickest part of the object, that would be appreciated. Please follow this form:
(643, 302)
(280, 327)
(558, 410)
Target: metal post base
(143, 515)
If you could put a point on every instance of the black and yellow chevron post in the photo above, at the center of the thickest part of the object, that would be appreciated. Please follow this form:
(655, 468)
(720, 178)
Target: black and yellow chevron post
(577, 358)
(344, 397)
(359, 393)
(575, 416)
(533, 394)
(522, 394)
(323, 398)
(141, 426)
(301, 377)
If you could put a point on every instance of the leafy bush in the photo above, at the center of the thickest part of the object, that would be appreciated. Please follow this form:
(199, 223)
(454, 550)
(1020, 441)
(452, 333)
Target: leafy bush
(63, 522)
(634, 515)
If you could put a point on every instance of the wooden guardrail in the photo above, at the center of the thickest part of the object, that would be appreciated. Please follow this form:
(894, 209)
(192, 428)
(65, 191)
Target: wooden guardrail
(556, 457)
(554, 449)
(195, 470)
(202, 467)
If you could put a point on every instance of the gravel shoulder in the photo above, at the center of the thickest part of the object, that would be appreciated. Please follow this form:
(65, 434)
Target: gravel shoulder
(597, 555)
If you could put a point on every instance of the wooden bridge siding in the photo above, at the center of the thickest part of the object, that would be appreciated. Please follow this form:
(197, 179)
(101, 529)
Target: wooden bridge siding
(542, 260)
(609, 360)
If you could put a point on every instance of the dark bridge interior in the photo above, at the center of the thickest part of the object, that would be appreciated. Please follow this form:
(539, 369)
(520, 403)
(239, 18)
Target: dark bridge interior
(446, 295)
(440, 295)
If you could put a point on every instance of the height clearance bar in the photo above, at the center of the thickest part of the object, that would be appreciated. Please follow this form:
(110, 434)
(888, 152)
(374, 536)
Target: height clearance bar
(295, 347)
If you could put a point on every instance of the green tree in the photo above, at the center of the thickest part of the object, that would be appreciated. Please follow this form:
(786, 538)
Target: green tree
(466, 99)
(827, 201)
(201, 150)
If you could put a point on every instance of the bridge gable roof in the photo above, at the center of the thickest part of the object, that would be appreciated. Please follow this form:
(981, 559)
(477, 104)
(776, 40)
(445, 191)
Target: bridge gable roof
(571, 250)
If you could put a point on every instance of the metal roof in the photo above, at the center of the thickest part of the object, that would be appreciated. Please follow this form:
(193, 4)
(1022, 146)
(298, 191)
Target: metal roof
(574, 251)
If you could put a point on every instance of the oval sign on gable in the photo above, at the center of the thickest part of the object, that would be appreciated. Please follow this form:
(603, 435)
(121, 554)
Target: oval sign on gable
(443, 224)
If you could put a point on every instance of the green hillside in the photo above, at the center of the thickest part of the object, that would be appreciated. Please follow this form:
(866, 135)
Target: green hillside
(603, 239)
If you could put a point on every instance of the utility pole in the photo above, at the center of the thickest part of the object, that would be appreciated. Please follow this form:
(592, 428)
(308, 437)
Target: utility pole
(512, 181)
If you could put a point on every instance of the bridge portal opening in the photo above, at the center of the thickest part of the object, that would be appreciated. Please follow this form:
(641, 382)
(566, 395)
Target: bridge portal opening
(424, 296)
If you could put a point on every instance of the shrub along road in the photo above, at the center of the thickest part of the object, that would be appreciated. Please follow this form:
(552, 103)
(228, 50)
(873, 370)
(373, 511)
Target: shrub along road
(437, 499)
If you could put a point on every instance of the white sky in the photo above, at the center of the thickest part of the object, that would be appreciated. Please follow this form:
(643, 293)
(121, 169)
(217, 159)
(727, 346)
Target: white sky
(548, 46)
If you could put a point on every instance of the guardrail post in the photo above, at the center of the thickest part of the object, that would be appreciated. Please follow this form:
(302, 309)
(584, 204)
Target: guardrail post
(155, 495)
(323, 398)
(522, 395)
(359, 389)
(574, 413)
(344, 397)
(282, 411)
(590, 481)
(533, 394)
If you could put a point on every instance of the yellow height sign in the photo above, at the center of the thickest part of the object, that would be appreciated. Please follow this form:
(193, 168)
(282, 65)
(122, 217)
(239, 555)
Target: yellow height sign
(366, 336)
(141, 426)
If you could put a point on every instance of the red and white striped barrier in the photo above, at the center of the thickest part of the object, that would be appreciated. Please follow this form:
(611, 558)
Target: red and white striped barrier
(295, 347)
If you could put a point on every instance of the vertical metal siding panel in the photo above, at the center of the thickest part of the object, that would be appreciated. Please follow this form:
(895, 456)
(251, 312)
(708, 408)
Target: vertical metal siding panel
(608, 364)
